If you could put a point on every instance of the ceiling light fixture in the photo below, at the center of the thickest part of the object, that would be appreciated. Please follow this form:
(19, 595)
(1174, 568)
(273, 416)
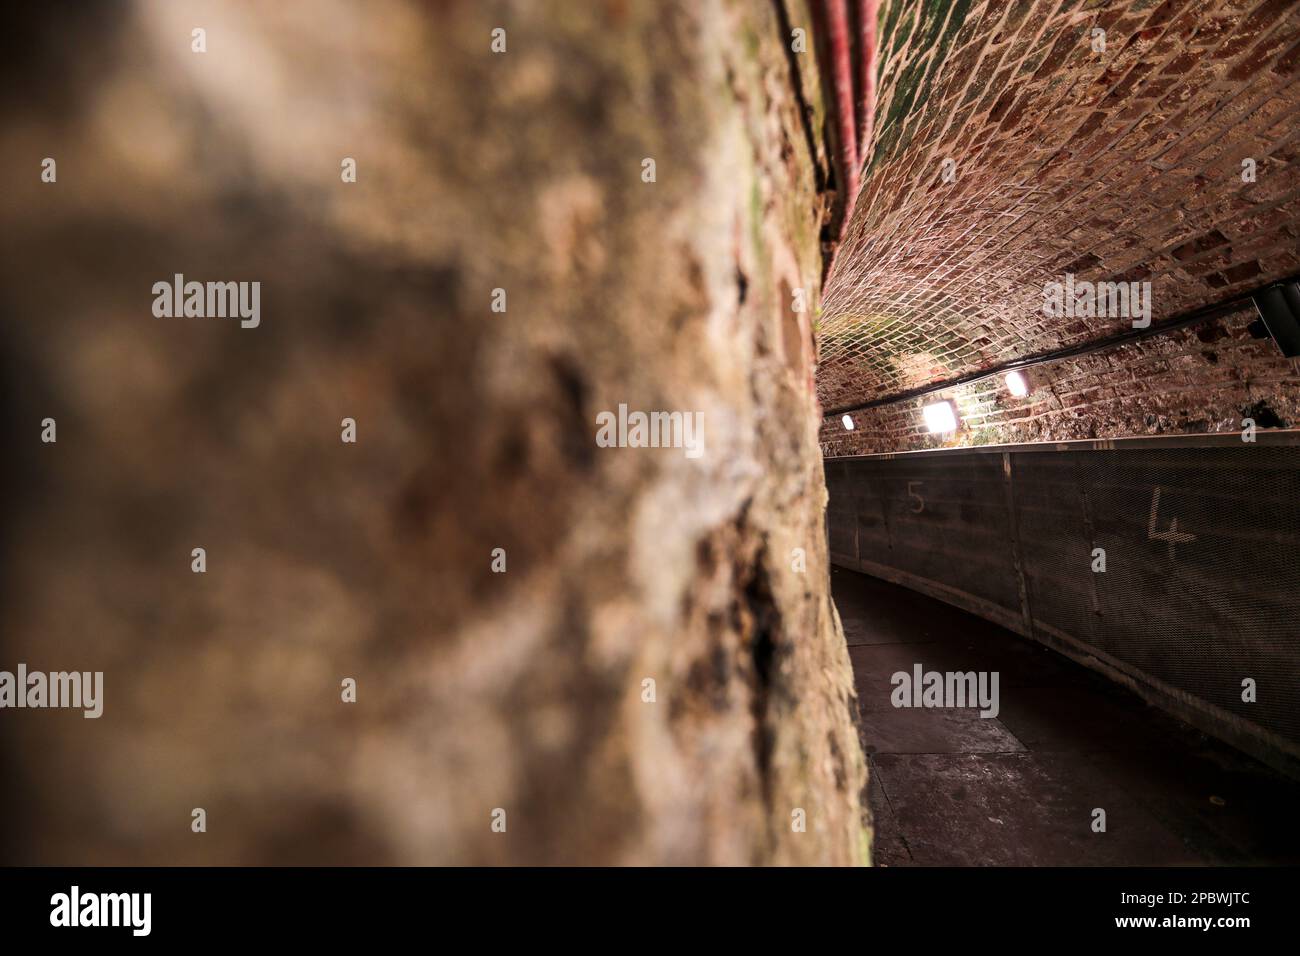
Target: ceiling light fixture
(940, 418)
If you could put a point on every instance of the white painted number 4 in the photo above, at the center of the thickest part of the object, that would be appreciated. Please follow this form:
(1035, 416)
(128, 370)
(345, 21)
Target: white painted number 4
(1173, 536)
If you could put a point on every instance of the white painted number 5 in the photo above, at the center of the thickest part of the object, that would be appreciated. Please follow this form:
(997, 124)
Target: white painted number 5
(912, 493)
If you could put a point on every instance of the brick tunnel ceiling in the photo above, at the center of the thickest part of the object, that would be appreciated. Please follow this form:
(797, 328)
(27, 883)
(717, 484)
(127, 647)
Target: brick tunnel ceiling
(1125, 164)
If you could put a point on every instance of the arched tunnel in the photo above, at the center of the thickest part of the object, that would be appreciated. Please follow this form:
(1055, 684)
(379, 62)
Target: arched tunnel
(1059, 375)
(710, 432)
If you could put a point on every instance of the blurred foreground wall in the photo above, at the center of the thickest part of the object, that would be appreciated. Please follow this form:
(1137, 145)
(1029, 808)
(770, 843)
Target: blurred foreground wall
(477, 691)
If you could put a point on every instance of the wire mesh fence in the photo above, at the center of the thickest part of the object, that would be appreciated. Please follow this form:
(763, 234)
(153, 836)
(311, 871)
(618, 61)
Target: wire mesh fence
(1175, 569)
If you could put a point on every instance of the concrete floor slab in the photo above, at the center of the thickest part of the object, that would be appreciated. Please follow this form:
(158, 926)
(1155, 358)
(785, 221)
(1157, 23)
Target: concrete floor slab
(888, 848)
(1083, 719)
(872, 616)
(948, 787)
(890, 730)
(1232, 810)
(874, 666)
(1022, 809)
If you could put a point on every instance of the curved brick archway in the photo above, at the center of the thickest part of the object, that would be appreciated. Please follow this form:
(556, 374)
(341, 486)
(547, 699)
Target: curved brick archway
(1016, 144)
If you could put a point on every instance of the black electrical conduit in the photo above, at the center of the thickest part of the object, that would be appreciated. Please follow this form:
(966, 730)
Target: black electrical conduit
(1196, 317)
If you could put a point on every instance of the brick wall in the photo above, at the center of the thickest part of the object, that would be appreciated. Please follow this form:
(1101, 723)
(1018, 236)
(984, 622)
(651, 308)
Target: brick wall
(1203, 378)
(1125, 163)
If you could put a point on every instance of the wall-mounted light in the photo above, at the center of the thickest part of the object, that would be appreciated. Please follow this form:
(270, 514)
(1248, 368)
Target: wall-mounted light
(848, 422)
(940, 418)
(1017, 384)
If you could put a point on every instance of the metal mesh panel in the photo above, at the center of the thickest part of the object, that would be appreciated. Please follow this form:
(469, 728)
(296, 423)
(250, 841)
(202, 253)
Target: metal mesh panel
(1200, 548)
(942, 520)
(1200, 586)
(1053, 514)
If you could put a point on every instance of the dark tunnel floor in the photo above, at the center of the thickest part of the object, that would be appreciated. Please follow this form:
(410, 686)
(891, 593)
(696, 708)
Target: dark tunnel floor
(950, 788)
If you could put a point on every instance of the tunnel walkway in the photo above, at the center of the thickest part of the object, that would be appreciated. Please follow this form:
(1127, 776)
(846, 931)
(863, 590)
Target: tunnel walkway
(948, 787)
